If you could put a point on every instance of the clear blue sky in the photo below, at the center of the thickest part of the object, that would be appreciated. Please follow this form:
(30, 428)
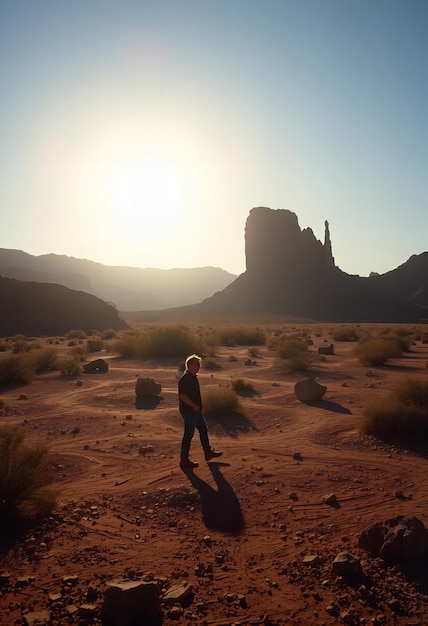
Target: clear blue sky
(142, 133)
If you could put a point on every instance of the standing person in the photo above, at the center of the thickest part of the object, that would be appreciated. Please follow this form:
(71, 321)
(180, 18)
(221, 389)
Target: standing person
(190, 406)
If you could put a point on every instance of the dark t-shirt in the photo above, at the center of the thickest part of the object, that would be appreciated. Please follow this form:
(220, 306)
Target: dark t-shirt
(189, 384)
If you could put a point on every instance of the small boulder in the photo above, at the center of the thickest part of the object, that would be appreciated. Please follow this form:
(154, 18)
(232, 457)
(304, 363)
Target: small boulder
(326, 349)
(99, 366)
(308, 390)
(129, 602)
(147, 387)
(346, 564)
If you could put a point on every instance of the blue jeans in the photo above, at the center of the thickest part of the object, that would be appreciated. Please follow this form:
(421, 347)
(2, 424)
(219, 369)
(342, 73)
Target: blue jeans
(192, 420)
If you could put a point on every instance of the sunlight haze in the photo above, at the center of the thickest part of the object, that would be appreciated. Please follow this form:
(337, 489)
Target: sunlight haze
(143, 133)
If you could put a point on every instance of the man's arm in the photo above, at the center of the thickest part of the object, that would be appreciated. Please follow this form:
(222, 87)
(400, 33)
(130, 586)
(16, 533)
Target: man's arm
(185, 398)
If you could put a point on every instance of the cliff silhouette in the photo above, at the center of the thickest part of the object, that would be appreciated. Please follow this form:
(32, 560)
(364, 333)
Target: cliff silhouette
(290, 272)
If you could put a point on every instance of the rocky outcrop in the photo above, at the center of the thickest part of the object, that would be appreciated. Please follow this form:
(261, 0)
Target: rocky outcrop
(290, 272)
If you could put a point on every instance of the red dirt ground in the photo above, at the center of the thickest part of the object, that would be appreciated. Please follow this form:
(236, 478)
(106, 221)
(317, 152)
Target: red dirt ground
(236, 530)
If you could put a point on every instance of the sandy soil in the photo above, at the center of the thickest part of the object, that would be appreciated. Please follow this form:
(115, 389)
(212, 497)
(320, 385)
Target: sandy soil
(236, 530)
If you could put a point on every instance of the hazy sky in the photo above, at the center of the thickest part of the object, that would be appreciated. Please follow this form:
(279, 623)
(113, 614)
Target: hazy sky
(142, 133)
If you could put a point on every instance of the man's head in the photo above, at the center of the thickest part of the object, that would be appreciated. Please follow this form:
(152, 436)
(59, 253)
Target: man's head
(193, 363)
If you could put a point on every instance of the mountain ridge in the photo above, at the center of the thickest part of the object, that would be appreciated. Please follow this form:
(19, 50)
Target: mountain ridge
(127, 288)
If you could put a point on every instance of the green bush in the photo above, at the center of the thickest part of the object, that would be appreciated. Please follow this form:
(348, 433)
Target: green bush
(378, 351)
(220, 402)
(70, 367)
(345, 333)
(16, 369)
(25, 478)
(402, 416)
(165, 341)
(239, 337)
(239, 384)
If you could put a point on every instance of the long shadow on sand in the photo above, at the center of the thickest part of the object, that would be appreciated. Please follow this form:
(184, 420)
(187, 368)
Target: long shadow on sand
(148, 403)
(327, 405)
(220, 507)
(233, 425)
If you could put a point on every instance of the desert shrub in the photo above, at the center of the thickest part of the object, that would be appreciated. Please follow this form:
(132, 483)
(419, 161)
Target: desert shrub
(75, 334)
(241, 336)
(108, 333)
(377, 351)
(232, 358)
(21, 345)
(402, 340)
(16, 369)
(25, 478)
(165, 341)
(239, 384)
(345, 333)
(220, 402)
(292, 353)
(402, 416)
(95, 345)
(210, 364)
(3, 346)
(70, 367)
(79, 353)
(253, 352)
(129, 345)
(43, 359)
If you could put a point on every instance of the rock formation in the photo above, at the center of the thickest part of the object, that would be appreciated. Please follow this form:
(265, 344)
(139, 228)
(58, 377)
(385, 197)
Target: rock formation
(290, 272)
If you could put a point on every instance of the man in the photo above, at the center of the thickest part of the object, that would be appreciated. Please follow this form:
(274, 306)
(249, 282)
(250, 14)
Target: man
(190, 406)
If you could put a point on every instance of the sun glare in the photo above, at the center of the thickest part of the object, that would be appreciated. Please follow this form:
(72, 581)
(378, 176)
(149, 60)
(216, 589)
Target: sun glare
(147, 189)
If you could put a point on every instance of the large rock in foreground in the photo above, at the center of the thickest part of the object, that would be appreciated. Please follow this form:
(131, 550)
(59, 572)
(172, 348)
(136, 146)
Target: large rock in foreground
(396, 540)
(130, 603)
(308, 390)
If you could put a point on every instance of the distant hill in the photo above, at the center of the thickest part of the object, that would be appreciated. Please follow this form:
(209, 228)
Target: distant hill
(128, 288)
(290, 272)
(38, 309)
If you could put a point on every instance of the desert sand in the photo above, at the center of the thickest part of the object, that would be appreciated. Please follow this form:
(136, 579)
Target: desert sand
(236, 530)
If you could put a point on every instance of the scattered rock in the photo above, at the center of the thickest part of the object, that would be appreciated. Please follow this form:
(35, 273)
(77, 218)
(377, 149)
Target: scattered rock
(178, 593)
(331, 498)
(346, 564)
(37, 618)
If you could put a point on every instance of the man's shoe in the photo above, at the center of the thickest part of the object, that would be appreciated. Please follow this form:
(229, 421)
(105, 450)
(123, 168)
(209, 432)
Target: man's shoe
(212, 454)
(186, 462)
